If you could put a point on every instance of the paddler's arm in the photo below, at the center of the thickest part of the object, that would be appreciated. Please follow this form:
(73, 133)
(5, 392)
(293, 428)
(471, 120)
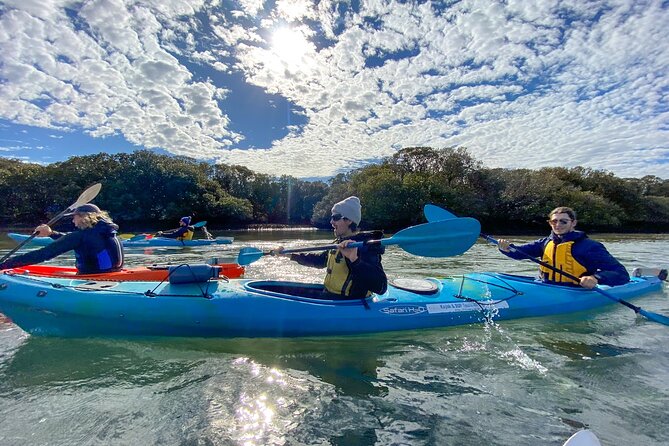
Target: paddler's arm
(534, 249)
(366, 268)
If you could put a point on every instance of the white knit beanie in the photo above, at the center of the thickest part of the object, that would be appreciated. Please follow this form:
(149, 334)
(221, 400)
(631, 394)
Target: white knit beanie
(349, 208)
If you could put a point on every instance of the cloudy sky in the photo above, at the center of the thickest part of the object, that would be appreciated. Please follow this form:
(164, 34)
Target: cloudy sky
(314, 88)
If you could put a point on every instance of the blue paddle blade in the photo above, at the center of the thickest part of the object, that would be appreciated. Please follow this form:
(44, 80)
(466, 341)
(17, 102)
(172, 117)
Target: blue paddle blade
(435, 213)
(654, 317)
(438, 239)
(248, 255)
(199, 224)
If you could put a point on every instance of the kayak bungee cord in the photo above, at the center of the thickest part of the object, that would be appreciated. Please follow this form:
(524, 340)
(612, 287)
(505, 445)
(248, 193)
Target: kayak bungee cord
(194, 277)
(485, 305)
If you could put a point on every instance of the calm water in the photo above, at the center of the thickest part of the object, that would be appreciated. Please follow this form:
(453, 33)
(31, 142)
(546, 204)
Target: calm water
(525, 382)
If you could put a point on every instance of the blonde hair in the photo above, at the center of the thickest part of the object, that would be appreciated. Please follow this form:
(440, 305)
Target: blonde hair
(90, 219)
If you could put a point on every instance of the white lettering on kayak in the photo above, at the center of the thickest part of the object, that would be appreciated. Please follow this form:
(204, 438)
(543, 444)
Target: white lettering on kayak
(455, 307)
(403, 310)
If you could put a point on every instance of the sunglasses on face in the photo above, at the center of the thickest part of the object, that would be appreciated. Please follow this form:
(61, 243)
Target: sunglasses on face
(337, 217)
(555, 221)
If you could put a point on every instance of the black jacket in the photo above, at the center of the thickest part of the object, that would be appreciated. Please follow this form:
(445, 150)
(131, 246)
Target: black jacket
(366, 272)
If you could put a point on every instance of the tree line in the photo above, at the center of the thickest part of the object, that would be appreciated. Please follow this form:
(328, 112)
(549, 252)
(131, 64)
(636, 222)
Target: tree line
(148, 189)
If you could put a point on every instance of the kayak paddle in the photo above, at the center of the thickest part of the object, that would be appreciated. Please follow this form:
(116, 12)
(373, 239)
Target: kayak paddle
(438, 239)
(86, 196)
(435, 213)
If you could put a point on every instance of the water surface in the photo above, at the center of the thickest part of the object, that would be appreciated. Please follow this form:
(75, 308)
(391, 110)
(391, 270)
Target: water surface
(524, 382)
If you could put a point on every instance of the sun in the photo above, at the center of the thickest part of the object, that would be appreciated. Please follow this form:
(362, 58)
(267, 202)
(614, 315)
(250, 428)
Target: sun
(290, 46)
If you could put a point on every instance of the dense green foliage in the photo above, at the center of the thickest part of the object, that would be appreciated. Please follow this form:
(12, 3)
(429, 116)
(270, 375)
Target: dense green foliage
(147, 188)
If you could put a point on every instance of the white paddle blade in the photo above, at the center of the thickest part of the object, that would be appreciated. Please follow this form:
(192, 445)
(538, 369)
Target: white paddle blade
(87, 195)
(583, 438)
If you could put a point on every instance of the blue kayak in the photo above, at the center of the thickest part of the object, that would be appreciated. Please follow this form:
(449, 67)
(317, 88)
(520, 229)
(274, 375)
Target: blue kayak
(36, 241)
(204, 307)
(143, 243)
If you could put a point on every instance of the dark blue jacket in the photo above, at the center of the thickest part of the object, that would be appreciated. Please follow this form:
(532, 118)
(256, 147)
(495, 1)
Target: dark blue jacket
(366, 272)
(589, 253)
(96, 249)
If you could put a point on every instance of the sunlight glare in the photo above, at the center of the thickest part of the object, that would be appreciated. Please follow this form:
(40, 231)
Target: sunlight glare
(290, 46)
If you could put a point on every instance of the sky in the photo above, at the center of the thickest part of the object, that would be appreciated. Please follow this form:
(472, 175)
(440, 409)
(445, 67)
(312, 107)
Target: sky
(316, 88)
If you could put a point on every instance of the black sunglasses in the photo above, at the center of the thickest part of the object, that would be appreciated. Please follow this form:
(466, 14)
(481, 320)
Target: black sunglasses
(337, 217)
(561, 220)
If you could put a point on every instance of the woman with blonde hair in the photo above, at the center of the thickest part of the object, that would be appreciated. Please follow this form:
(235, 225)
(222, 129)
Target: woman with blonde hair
(96, 247)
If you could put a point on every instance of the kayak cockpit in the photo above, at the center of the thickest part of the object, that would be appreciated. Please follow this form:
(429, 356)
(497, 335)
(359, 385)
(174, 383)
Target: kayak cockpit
(290, 289)
(294, 290)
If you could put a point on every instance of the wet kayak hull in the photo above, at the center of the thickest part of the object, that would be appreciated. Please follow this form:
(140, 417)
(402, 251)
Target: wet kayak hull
(252, 308)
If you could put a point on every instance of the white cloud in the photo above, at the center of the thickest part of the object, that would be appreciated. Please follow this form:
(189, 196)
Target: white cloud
(108, 74)
(519, 84)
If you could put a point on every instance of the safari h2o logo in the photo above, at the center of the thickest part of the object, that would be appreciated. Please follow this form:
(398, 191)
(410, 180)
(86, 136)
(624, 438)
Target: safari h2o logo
(404, 310)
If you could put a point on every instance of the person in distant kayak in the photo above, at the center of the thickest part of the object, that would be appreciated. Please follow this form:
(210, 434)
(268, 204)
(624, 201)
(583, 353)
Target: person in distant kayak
(352, 273)
(573, 252)
(184, 232)
(96, 247)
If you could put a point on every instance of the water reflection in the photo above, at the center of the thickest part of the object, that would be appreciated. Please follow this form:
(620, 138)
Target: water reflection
(80, 363)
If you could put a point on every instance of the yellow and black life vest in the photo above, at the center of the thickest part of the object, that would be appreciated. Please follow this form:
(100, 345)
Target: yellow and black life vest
(338, 275)
(560, 257)
(188, 235)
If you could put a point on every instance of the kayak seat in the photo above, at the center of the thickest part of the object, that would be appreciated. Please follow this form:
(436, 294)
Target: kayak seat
(418, 286)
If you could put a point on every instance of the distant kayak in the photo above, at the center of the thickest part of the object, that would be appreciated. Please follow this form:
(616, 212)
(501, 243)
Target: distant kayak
(142, 243)
(191, 304)
(152, 273)
(37, 241)
(163, 241)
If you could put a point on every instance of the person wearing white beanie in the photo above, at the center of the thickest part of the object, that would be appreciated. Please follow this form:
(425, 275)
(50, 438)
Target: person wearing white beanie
(350, 208)
(351, 273)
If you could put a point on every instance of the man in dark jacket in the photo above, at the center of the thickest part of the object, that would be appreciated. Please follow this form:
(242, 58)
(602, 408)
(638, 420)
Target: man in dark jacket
(96, 247)
(352, 273)
(571, 251)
